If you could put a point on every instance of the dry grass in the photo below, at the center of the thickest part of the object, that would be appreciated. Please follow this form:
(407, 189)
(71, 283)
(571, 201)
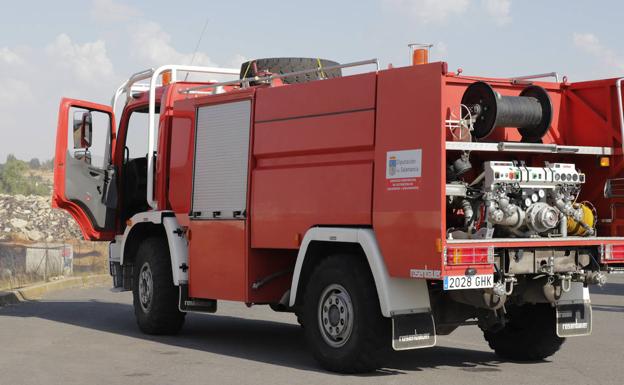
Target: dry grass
(89, 258)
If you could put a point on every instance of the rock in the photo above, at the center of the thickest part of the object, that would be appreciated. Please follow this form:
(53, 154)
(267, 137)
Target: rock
(20, 237)
(19, 223)
(32, 218)
(34, 235)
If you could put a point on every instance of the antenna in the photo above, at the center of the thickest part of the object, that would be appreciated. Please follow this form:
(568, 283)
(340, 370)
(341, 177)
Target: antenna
(201, 36)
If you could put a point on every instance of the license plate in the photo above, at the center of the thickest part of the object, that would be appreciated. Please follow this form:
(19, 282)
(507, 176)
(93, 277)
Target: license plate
(468, 282)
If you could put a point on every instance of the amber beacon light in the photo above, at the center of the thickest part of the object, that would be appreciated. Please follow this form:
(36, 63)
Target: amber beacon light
(419, 53)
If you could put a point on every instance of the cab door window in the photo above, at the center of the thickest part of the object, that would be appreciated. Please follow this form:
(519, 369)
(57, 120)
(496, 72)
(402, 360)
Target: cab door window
(89, 139)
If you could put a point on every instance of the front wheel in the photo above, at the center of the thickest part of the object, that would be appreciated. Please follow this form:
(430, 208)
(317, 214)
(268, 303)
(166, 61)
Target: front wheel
(344, 325)
(155, 296)
(529, 335)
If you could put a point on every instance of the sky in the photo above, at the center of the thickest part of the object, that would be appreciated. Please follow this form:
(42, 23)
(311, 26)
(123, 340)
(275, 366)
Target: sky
(85, 49)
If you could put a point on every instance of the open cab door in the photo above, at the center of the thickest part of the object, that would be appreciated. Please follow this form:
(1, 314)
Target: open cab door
(84, 173)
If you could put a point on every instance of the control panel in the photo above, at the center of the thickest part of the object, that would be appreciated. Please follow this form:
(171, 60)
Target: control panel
(549, 176)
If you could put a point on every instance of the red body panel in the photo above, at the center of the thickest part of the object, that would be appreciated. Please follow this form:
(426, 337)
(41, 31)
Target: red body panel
(408, 223)
(312, 195)
(218, 260)
(350, 93)
(316, 134)
(182, 153)
(312, 146)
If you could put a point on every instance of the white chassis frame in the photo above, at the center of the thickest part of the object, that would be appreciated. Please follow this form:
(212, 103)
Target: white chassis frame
(178, 245)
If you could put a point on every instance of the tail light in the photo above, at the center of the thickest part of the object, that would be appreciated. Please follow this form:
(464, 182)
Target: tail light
(469, 255)
(614, 252)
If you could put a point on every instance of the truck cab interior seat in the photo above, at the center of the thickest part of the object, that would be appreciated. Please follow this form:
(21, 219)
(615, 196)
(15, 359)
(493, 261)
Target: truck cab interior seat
(135, 186)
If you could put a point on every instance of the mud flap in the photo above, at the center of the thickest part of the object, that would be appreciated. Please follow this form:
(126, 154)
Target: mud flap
(413, 331)
(574, 312)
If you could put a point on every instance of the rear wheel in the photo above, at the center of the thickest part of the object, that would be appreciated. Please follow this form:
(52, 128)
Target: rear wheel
(155, 296)
(529, 335)
(344, 325)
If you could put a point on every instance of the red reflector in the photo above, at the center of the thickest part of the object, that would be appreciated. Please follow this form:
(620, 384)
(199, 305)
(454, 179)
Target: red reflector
(614, 252)
(469, 255)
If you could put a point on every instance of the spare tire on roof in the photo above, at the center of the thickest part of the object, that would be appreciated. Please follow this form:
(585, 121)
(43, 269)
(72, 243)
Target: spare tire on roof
(283, 65)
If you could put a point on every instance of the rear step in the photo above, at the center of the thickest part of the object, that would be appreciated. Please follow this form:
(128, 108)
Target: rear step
(197, 305)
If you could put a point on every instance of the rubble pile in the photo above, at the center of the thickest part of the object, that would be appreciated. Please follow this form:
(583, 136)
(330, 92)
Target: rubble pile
(31, 218)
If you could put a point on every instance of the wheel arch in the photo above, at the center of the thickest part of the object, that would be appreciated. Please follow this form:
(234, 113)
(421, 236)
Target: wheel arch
(157, 224)
(396, 295)
(317, 251)
(137, 234)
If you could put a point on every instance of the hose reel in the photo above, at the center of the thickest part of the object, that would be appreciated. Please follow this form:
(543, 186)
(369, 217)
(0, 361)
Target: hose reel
(531, 112)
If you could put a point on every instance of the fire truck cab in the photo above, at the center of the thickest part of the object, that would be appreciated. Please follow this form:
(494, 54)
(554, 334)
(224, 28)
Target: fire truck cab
(383, 208)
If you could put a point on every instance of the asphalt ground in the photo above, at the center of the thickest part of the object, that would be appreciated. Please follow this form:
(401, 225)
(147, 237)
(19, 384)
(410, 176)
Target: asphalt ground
(89, 336)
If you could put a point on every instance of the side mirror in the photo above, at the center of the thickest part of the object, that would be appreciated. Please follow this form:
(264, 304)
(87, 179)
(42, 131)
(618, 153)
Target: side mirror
(83, 131)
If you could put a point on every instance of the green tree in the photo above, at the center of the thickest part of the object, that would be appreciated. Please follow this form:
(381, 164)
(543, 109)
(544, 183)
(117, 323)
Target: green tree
(12, 177)
(15, 178)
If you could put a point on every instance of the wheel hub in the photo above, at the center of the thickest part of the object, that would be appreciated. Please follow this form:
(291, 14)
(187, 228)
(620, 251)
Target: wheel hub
(146, 287)
(335, 315)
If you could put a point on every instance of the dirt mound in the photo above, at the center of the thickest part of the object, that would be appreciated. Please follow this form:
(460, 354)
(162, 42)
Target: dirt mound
(31, 218)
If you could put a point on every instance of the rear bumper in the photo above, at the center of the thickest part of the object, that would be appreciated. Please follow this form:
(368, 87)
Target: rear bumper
(608, 252)
(515, 243)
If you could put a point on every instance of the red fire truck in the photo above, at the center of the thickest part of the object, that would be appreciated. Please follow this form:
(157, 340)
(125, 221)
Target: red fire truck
(383, 208)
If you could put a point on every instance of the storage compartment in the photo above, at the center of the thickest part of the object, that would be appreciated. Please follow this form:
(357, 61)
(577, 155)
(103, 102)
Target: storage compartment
(507, 177)
(512, 194)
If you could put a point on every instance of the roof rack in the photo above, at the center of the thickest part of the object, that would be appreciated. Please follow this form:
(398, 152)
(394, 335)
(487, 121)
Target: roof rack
(246, 81)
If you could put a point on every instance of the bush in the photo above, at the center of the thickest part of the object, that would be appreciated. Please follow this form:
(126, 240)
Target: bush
(16, 178)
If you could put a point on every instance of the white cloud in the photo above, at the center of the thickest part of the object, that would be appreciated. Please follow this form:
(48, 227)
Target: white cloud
(152, 45)
(7, 56)
(237, 60)
(89, 61)
(440, 11)
(15, 91)
(430, 11)
(440, 50)
(589, 43)
(499, 10)
(111, 11)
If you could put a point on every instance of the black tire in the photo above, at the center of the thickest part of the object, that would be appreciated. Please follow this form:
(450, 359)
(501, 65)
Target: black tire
(369, 341)
(282, 65)
(529, 335)
(158, 314)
